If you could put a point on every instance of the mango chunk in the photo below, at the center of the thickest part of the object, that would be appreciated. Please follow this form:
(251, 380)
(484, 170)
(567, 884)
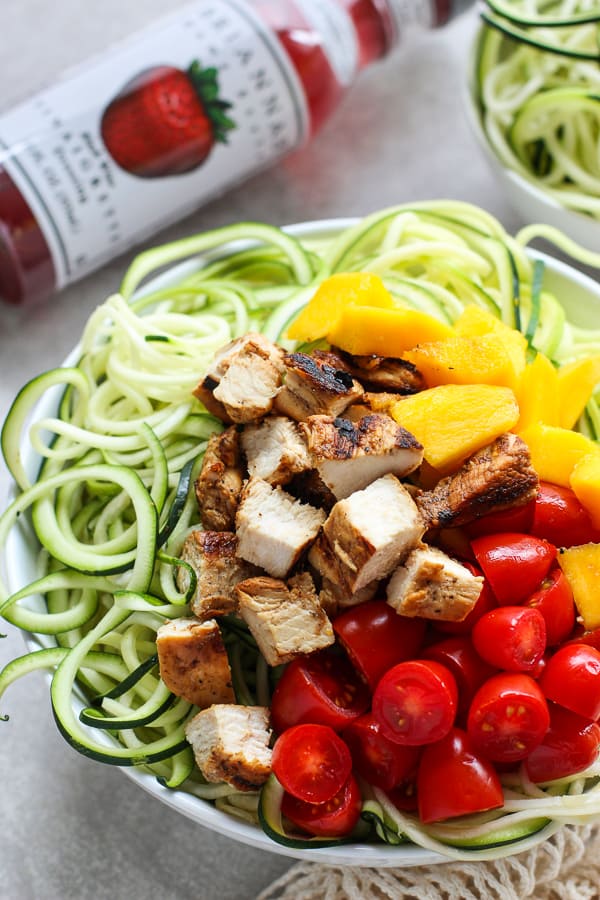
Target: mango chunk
(585, 483)
(363, 330)
(464, 360)
(474, 322)
(555, 451)
(576, 383)
(325, 307)
(452, 421)
(537, 393)
(581, 566)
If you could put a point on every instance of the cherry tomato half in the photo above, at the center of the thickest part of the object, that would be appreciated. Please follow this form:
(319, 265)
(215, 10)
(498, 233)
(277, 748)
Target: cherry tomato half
(459, 656)
(570, 745)
(375, 638)
(514, 564)
(322, 688)
(381, 762)
(508, 717)
(554, 599)
(560, 518)
(454, 780)
(334, 818)
(311, 762)
(415, 702)
(572, 679)
(512, 638)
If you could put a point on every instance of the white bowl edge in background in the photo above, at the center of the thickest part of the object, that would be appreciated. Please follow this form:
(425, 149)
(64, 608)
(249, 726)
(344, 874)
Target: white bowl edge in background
(528, 200)
(582, 294)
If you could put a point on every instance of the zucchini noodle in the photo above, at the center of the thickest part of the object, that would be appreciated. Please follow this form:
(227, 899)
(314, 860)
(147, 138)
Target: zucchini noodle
(105, 480)
(538, 87)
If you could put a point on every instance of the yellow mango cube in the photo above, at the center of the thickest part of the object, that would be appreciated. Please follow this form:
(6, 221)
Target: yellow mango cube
(585, 483)
(537, 394)
(464, 360)
(581, 566)
(363, 330)
(452, 421)
(325, 307)
(555, 451)
(576, 383)
(475, 322)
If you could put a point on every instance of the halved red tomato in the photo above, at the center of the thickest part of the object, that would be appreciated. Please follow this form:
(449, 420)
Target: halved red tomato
(415, 702)
(375, 638)
(514, 564)
(334, 818)
(554, 599)
(381, 762)
(572, 679)
(322, 688)
(311, 762)
(508, 717)
(454, 780)
(571, 745)
(560, 518)
(512, 638)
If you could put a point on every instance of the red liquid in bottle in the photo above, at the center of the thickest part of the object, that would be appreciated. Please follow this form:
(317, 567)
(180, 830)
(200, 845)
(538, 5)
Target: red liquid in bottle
(27, 272)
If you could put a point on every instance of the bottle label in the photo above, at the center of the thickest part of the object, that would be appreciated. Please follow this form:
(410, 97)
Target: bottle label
(153, 129)
(337, 33)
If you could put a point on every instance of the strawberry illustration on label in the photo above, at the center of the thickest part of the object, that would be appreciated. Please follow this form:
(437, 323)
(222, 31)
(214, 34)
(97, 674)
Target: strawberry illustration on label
(166, 121)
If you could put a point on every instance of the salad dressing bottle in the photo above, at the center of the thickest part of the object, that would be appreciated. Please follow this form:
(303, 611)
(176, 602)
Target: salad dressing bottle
(172, 117)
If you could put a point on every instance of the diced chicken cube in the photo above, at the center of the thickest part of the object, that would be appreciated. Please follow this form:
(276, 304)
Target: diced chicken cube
(275, 450)
(219, 484)
(334, 599)
(243, 379)
(350, 455)
(432, 585)
(286, 620)
(213, 557)
(313, 388)
(231, 745)
(193, 661)
(273, 528)
(497, 477)
(383, 373)
(370, 532)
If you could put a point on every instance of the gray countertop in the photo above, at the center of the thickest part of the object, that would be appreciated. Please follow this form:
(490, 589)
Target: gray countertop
(72, 828)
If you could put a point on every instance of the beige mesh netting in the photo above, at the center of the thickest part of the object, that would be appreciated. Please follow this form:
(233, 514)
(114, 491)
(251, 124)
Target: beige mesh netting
(565, 867)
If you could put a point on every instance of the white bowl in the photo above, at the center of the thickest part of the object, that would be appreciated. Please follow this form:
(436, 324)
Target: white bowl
(582, 302)
(532, 203)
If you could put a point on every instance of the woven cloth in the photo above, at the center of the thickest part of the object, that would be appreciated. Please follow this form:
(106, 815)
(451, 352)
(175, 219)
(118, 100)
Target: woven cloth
(565, 867)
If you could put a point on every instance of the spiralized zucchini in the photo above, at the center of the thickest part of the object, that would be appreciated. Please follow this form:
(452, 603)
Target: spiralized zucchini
(113, 499)
(538, 84)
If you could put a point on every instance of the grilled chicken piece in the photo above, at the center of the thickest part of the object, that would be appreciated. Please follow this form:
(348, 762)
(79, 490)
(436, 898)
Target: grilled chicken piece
(213, 557)
(193, 661)
(275, 450)
(219, 484)
(334, 599)
(315, 388)
(432, 585)
(370, 533)
(309, 487)
(273, 528)
(286, 620)
(382, 373)
(497, 477)
(243, 379)
(348, 456)
(231, 744)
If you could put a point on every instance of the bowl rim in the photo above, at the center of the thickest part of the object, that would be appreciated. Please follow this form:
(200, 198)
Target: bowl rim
(204, 812)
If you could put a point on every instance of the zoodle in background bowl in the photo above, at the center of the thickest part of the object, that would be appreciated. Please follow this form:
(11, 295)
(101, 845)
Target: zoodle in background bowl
(538, 86)
(442, 287)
